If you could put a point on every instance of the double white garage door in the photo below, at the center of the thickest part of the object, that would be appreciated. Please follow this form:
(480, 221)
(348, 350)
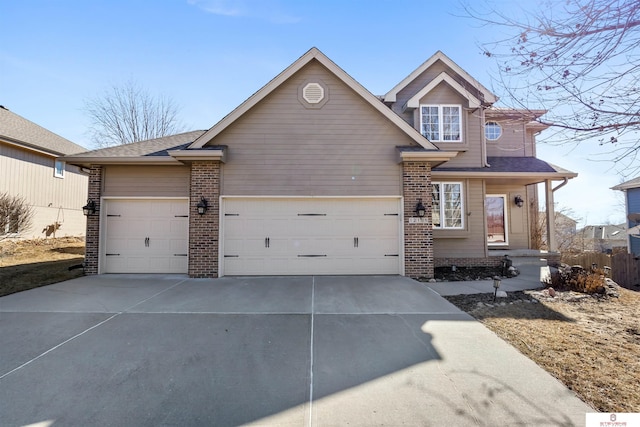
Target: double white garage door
(258, 236)
(311, 236)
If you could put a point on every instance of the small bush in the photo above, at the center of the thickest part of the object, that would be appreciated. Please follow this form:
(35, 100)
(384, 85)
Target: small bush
(15, 214)
(577, 279)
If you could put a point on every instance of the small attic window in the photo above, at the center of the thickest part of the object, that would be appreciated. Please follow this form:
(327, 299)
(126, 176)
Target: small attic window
(313, 93)
(58, 169)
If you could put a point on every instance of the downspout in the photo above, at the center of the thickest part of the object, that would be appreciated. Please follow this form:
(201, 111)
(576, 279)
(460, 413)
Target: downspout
(483, 138)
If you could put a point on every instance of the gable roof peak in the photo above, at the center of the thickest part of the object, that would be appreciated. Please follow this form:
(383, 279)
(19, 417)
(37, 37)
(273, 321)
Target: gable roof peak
(390, 96)
(312, 54)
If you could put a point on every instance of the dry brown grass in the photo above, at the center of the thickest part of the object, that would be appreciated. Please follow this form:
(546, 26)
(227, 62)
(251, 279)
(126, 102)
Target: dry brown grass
(29, 264)
(590, 344)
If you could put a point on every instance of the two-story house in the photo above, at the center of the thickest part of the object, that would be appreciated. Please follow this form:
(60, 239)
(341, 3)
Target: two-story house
(31, 171)
(631, 190)
(313, 174)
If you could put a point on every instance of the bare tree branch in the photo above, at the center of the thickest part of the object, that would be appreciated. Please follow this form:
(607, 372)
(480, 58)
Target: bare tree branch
(128, 114)
(578, 59)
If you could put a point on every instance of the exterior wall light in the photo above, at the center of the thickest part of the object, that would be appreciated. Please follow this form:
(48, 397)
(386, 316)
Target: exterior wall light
(89, 208)
(518, 201)
(202, 205)
(420, 209)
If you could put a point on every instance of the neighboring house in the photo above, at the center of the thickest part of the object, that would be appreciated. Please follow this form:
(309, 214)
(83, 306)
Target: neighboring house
(30, 169)
(631, 191)
(603, 238)
(315, 175)
(566, 235)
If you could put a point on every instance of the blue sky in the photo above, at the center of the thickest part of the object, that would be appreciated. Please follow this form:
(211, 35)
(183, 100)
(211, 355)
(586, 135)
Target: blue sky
(211, 55)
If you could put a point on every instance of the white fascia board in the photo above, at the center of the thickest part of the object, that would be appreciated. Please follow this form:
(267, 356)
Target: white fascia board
(191, 155)
(427, 156)
(87, 161)
(414, 101)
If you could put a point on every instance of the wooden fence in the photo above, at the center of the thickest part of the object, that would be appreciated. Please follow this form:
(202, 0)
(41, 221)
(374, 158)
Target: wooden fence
(587, 259)
(625, 270)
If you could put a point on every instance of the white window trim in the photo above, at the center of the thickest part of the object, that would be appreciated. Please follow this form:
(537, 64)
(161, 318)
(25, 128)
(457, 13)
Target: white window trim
(505, 206)
(55, 168)
(485, 130)
(441, 121)
(462, 209)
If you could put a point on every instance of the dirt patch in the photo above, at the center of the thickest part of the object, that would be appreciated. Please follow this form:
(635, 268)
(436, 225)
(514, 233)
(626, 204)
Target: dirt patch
(28, 264)
(590, 343)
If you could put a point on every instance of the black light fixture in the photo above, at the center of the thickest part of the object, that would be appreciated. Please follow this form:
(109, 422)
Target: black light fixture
(202, 205)
(420, 209)
(89, 208)
(518, 201)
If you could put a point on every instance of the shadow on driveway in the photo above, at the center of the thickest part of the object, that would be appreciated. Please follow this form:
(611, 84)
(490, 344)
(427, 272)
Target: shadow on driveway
(151, 350)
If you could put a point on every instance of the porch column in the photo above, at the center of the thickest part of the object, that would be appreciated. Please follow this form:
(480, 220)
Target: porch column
(418, 232)
(203, 229)
(92, 237)
(551, 221)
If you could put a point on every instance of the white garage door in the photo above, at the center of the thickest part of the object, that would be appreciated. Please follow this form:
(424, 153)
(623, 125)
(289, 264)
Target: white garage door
(145, 236)
(311, 236)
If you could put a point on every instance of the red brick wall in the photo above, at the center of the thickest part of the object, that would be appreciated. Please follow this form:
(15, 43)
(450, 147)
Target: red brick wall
(92, 255)
(203, 229)
(418, 238)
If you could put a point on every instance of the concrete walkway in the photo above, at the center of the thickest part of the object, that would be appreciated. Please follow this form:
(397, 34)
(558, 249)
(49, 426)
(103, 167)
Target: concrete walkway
(144, 350)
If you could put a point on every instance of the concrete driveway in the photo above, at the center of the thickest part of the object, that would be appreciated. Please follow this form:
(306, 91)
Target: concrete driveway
(150, 350)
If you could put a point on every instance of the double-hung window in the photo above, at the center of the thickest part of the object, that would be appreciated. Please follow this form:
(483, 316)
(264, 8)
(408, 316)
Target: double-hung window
(447, 205)
(441, 122)
(58, 169)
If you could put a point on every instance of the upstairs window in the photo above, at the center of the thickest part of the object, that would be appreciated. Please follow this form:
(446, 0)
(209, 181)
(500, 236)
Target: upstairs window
(58, 169)
(441, 122)
(492, 131)
(447, 205)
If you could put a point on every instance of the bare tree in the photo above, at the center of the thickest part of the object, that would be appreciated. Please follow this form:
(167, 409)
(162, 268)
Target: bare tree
(130, 113)
(579, 59)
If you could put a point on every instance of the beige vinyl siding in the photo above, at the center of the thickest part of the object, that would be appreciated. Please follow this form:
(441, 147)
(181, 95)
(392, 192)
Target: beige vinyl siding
(146, 181)
(471, 242)
(472, 129)
(280, 147)
(30, 175)
(516, 141)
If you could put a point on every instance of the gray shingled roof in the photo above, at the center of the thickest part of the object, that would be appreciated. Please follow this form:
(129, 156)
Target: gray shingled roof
(18, 130)
(511, 164)
(158, 147)
(633, 183)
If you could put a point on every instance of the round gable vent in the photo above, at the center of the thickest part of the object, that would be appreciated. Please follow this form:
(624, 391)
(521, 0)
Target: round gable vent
(313, 93)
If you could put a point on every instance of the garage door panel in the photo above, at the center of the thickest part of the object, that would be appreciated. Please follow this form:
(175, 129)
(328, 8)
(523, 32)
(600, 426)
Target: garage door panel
(311, 236)
(146, 236)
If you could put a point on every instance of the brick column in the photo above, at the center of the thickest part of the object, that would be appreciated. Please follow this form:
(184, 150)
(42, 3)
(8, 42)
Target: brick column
(418, 237)
(203, 229)
(92, 239)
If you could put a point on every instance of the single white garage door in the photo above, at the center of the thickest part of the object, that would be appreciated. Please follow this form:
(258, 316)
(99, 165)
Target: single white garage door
(145, 236)
(301, 236)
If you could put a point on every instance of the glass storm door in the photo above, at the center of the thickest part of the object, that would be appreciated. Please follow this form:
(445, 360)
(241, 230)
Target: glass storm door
(496, 207)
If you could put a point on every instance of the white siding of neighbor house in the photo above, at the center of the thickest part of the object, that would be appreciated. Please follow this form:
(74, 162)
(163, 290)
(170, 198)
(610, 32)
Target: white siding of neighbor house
(55, 200)
(345, 148)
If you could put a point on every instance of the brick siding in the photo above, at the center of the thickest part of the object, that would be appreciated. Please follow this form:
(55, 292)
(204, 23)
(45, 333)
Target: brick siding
(204, 229)
(92, 255)
(418, 238)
